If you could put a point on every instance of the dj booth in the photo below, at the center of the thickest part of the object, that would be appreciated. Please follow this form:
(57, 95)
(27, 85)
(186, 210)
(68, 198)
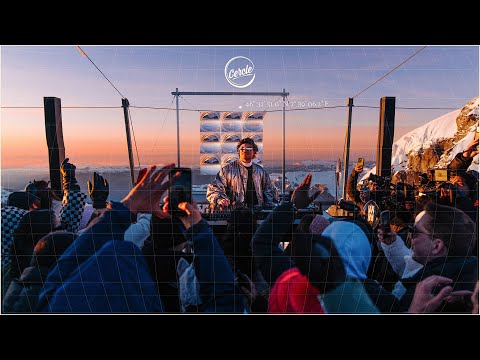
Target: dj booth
(219, 217)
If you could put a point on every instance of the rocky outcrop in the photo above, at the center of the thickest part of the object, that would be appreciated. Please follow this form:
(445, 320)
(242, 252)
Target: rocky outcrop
(427, 158)
(324, 198)
(467, 118)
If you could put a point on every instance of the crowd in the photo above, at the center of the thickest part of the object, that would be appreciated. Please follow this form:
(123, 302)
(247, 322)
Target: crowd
(62, 255)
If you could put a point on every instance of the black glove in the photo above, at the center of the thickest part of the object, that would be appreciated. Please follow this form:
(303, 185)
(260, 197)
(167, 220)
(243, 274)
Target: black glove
(98, 191)
(68, 176)
(318, 259)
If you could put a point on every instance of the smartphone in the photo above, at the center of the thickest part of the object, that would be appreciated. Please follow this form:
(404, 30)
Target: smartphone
(360, 162)
(180, 191)
(385, 221)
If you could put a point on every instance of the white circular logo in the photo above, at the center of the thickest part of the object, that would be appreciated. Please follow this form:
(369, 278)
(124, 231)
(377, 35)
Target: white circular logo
(239, 72)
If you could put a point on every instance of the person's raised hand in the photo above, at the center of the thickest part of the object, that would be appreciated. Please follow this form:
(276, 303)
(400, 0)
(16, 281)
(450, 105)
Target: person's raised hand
(146, 195)
(223, 202)
(193, 214)
(300, 197)
(67, 170)
(387, 239)
(141, 174)
(98, 191)
(358, 168)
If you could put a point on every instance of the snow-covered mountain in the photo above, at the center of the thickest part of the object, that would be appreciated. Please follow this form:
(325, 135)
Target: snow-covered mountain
(435, 144)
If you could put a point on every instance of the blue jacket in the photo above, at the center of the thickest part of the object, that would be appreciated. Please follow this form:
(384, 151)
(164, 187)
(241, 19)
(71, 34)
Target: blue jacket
(98, 273)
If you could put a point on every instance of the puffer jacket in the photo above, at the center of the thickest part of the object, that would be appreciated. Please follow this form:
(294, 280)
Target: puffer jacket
(231, 183)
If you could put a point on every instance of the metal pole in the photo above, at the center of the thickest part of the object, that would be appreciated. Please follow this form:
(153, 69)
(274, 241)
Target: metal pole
(178, 132)
(125, 105)
(283, 158)
(346, 150)
(54, 132)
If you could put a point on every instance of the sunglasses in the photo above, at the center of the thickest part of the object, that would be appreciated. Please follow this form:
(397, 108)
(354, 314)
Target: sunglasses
(245, 149)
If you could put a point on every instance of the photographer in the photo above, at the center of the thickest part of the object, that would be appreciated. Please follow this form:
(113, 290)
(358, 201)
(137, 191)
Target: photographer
(442, 238)
(374, 191)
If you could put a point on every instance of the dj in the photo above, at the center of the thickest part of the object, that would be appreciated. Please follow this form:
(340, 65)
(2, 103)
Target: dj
(242, 183)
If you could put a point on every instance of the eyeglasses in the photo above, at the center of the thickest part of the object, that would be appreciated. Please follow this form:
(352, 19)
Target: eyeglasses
(245, 149)
(413, 231)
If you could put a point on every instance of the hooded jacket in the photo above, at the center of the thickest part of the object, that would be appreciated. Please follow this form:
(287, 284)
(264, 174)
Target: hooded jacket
(113, 280)
(22, 294)
(353, 246)
(102, 257)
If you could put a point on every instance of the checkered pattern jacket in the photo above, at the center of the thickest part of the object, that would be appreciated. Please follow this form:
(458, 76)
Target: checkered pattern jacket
(73, 204)
(11, 216)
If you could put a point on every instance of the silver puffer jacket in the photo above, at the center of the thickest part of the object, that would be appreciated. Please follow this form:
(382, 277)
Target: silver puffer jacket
(231, 183)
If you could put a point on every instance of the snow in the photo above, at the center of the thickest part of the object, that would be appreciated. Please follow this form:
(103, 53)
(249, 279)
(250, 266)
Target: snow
(443, 127)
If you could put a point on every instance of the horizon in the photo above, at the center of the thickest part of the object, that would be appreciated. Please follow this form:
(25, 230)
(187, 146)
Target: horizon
(439, 77)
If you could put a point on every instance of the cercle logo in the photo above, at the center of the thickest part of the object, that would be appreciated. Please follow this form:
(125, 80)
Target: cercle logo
(239, 72)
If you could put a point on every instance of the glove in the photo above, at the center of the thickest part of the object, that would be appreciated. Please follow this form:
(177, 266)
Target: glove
(98, 191)
(68, 176)
(318, 259)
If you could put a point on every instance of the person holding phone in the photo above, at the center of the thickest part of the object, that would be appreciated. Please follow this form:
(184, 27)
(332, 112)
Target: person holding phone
(242, 183)
(359, 197)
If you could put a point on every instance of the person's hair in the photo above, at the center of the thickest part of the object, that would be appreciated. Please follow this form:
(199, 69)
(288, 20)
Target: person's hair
(453, 227)
(305, 222)
(41, 190)
(471, 181)
(247, 141)
(401, 217)
(420, 203)
(49, 248)
(21, 199)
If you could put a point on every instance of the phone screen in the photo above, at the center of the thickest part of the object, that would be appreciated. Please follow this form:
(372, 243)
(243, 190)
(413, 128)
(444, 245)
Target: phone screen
(385, 221)
(180, 191)
(360, 162)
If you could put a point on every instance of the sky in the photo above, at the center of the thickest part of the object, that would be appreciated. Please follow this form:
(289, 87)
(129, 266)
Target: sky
(438, 76)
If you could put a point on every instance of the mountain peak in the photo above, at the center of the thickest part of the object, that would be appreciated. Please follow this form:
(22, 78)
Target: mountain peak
(435, 144)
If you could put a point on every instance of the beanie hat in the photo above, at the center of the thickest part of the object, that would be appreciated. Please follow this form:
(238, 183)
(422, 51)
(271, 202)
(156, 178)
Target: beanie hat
(319, 223)
(293, 294)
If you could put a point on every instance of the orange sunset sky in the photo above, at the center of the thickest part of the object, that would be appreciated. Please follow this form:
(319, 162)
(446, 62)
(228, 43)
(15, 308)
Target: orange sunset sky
(438, 77)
